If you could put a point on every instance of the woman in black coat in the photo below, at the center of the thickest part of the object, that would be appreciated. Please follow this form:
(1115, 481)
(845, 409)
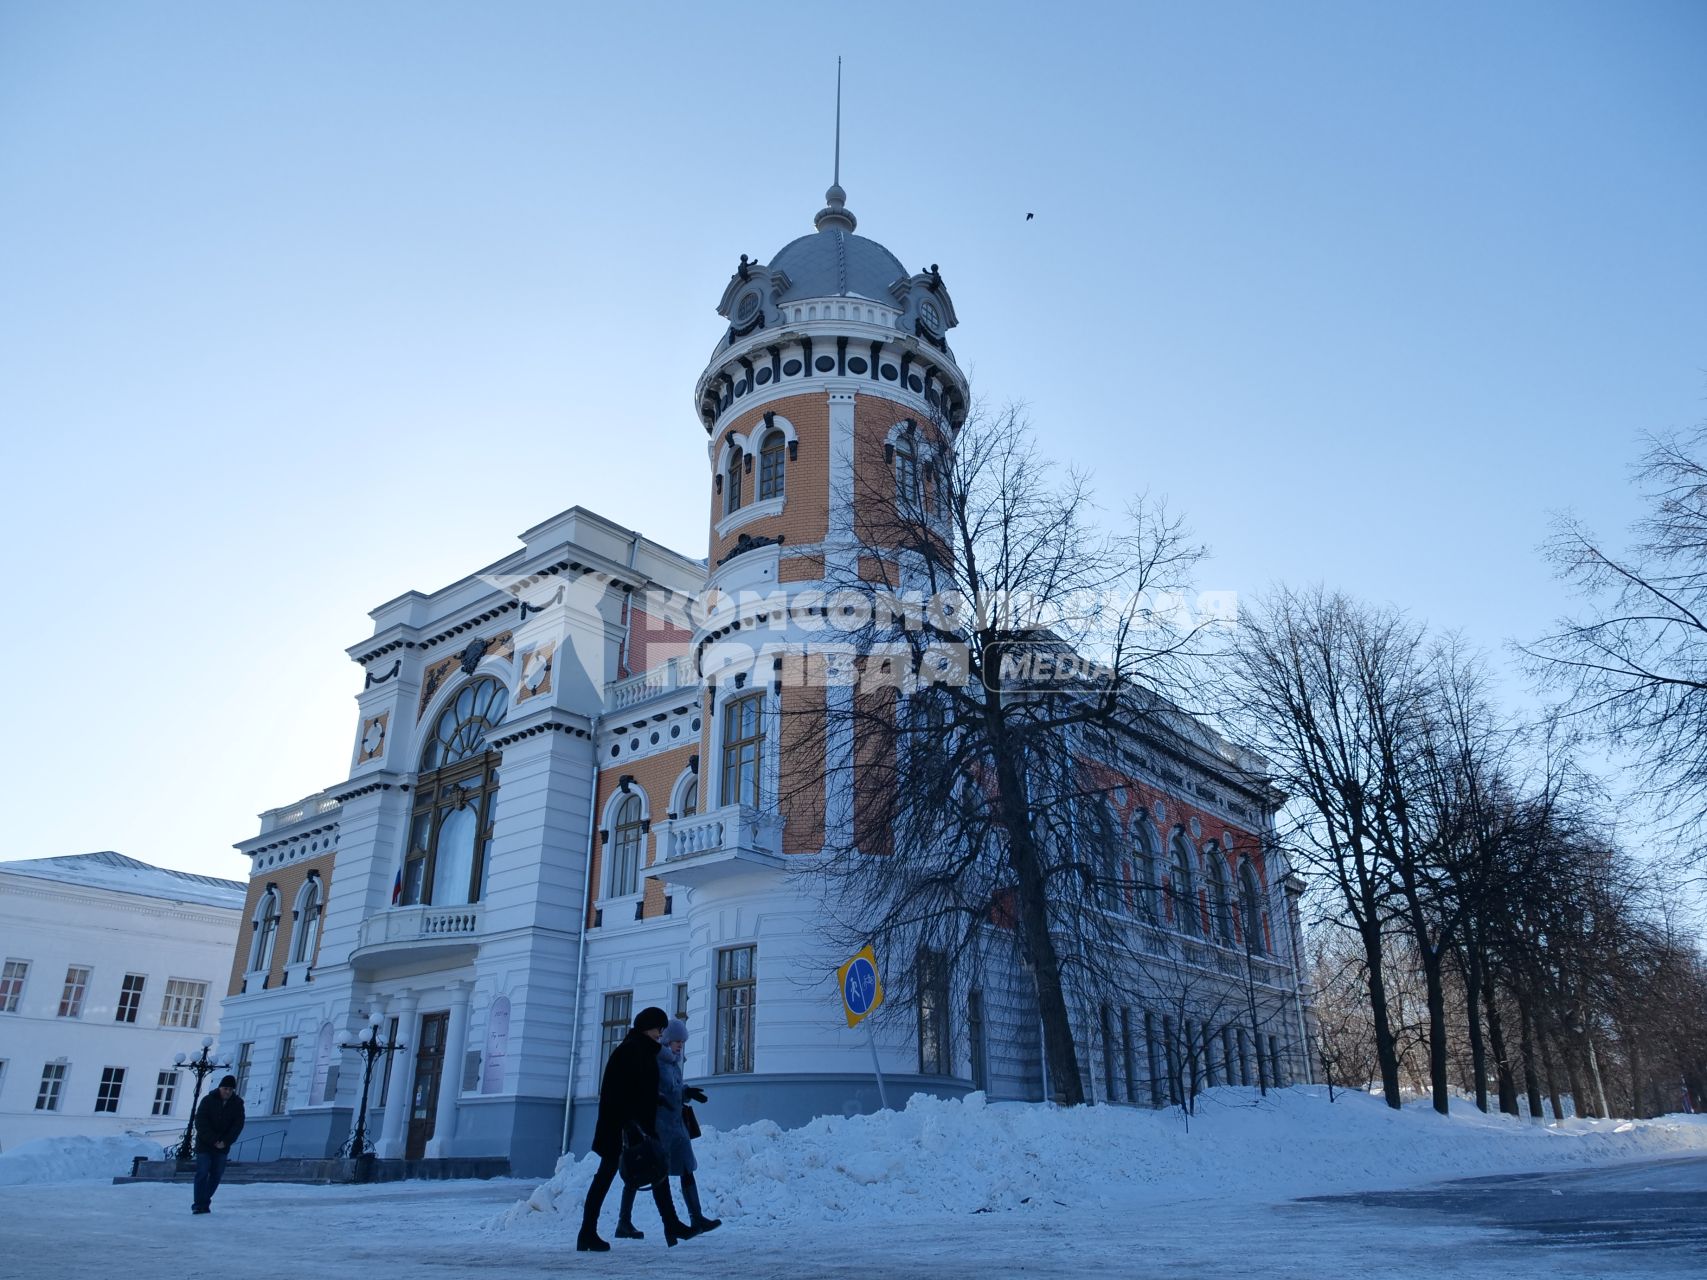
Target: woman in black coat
(628, 1102)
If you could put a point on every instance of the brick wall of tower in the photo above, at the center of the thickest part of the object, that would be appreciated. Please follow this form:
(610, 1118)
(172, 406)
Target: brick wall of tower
(804, 518)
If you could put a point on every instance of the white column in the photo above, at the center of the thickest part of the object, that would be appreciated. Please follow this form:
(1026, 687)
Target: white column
(394, 1132)
(450, 1077)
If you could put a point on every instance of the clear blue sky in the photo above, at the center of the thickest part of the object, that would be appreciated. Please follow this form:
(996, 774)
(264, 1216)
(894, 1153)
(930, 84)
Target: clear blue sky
(305, 305)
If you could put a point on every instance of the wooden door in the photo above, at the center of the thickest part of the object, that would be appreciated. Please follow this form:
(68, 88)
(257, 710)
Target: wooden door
(429, 1066)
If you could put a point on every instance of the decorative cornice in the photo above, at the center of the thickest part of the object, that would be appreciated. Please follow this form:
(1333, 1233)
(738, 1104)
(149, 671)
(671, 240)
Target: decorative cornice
(550, 726)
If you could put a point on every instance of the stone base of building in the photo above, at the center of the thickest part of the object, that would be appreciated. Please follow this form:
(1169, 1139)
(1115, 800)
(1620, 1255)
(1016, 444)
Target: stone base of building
(325, 1172)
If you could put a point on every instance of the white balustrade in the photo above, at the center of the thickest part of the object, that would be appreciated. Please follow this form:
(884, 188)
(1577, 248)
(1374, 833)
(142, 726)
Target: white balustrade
(414, 924)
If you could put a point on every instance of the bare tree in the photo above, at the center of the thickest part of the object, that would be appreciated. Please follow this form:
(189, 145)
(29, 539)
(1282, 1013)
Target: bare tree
(1018, 657)
(1634, 663)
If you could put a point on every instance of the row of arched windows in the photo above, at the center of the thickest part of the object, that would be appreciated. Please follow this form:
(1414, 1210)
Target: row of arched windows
(1234, 915)
(265, 926)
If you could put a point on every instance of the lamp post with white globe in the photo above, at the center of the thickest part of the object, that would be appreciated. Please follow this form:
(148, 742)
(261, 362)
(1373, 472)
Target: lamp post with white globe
(369, 1046)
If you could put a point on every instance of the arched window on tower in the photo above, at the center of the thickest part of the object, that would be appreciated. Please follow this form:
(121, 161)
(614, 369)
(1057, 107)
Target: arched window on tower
(1250, 907)
(906, 474)
(732, 483)
(266, 926)
(743, 748)
(690, 798)
(456, 795)
(771, 451)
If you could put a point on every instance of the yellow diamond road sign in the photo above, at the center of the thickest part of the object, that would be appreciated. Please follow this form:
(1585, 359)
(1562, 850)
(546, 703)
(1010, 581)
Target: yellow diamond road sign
(862, 989)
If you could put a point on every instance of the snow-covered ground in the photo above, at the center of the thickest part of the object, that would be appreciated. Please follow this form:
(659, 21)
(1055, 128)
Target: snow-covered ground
(73, 1159)
(941, 1190)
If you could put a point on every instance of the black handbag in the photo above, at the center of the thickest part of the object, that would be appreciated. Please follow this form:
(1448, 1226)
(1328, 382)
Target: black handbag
(643, 1161)
(690, 1121)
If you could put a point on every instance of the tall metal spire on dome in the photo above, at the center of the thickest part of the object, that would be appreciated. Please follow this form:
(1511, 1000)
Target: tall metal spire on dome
(835, 214)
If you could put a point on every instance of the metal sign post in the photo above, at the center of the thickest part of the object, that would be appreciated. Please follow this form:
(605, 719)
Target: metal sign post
(862, 991)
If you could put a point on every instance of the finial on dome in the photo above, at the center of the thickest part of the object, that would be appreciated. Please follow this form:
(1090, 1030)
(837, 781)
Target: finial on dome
(835, 212)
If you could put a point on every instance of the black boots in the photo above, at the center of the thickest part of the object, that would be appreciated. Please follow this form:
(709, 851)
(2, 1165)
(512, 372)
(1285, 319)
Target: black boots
(628, 1231)
(702, 1225)
(588, 1241)
(678, 1230)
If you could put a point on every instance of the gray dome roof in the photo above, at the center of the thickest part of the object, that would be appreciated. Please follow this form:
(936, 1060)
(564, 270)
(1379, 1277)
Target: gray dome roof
(833, 263)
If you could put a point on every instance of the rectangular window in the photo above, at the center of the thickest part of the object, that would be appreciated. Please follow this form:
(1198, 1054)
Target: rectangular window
(71, 999)
(682, 1001)
(385, 1080)
(933, 1013)
(471, 1071)
(1152, 1059)
(12, 984)
(618, 1017)
(1244, 1059)
(743, 744)
(975, 1029)
(130, 997)
(52, 1081)
(183, 1006)
(281, 1078)
(737, 992)
(1229, 1072)
(165, 1090)
(1274, 1062)
(1170, 1052)
(112, 1085)
(330, 1092)
(1129, 1056)
(245, 1059)
(1111, 1088)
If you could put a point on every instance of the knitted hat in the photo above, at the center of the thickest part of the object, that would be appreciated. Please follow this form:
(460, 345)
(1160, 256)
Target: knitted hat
(230, 1082)
(651, 1018)
(676, 1032)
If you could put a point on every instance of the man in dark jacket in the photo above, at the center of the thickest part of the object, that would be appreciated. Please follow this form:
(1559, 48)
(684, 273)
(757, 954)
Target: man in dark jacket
(219, 1120)
(628, 1105)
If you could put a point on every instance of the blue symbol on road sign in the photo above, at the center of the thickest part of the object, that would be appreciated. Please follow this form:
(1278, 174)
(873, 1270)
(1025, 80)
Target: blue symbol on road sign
(860, 987)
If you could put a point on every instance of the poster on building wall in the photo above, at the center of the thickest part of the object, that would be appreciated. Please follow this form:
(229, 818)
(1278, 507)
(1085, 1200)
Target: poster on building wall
(497, 1044)
(322, 1063)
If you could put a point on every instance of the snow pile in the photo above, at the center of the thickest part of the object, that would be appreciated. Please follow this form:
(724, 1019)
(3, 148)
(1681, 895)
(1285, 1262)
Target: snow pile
(962, 1157)
(73, 1159)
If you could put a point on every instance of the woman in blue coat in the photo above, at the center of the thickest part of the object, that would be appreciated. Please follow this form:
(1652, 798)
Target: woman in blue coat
(671, 1128)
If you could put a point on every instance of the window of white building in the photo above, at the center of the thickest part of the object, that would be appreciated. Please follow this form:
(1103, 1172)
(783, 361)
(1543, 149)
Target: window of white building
(245, 1059)
(281, 1077)
(12, 984)
(112, 1085)
(76, 985)
(52, 1082)
(130, 997)
(933, 1013)
(183, 1004)
(450, 831)
(737, 994)
(618, 1016)
(165, 1091)
(307, 922)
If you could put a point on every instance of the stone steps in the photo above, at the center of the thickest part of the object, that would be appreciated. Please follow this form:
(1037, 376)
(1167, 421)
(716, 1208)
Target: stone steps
(321, 1172)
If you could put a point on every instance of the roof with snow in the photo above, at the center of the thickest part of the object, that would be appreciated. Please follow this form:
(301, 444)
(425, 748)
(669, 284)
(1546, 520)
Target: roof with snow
(119, 874)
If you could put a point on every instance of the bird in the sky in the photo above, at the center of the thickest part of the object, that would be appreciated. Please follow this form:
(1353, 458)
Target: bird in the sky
(1030, 216)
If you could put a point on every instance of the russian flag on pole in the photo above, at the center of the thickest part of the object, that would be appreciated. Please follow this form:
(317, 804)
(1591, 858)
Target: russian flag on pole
(397, 888)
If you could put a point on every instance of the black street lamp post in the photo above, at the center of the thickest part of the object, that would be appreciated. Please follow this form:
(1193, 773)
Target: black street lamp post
(369, 1046)
(203, 1066)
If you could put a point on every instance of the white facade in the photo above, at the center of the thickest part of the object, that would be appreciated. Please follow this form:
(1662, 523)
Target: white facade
(110, 965)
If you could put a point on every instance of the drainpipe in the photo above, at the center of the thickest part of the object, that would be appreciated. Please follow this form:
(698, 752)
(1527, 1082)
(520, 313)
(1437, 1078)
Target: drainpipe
(581, 948)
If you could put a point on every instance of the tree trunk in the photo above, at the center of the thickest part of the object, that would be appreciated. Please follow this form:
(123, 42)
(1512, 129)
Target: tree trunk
(1552, 1076)
(1531, 1082)
(1032, 909)
(1496, 1042)
(1437, 1079)
(1472, 1010)
(1386, 1051)
(1637, 1110)
(1581, 1103)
